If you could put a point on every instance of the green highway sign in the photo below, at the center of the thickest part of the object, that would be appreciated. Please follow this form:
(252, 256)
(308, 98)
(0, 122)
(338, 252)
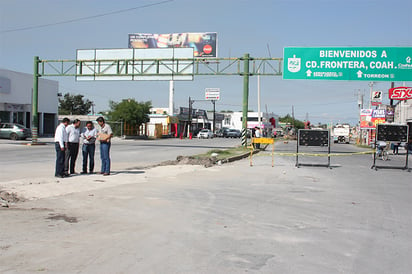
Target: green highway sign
(349, 63)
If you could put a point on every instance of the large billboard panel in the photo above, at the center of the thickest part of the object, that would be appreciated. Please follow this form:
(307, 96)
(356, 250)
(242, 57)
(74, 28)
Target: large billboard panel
(370, 118)
(135, 64)
(204, 44)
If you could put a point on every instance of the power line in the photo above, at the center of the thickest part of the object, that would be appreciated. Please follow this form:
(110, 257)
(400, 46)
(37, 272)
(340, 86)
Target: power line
(85, 18)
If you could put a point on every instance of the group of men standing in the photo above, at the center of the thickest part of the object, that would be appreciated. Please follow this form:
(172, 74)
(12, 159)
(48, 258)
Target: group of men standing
(67, 141)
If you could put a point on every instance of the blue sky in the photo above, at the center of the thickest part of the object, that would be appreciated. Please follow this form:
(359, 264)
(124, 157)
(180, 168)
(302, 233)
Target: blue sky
(242, 26)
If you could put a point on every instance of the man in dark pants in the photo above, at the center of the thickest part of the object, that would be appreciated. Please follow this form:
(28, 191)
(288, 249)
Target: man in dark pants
(73, 135)
(60, 139)
(89, 135)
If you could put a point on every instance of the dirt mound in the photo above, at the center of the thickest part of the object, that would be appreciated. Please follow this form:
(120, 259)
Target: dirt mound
(189, 160)
(7, 198)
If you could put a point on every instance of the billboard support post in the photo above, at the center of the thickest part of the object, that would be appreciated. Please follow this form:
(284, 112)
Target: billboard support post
(35, 95)
(214, 116)
(246, 59)
(171, 97)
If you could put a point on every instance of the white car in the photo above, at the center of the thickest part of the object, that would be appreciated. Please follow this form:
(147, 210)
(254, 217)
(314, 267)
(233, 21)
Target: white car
(205, 133)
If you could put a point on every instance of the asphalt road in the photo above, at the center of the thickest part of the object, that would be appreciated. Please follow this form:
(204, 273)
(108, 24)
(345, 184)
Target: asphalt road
(232, 218)
(18, 160)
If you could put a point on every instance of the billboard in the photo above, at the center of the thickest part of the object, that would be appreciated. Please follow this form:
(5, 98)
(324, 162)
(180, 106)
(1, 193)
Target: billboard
(134, 64)
(390, 114)
(204, 44)
(369, 118)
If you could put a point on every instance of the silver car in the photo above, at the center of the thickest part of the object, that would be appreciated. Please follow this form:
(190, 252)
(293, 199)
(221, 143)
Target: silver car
(14, 131)
(205, 133)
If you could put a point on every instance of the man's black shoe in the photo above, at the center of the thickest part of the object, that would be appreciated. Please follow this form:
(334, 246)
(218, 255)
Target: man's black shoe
(83, 172)
(59, 176)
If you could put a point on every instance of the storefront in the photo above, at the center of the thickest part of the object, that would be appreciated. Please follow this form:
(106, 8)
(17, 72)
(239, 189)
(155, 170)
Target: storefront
(16, 101)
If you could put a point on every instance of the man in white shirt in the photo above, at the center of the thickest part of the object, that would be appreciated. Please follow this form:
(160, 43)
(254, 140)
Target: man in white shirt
(73, 135)
(60, 139)
(380, 146)
(258, 134)
(89, 135)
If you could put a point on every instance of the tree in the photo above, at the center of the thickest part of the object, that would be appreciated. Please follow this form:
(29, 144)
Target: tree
(74, 105)
(290, 120)
(130, 111)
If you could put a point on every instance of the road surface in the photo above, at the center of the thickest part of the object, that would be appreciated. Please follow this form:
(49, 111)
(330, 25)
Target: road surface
(231, 218)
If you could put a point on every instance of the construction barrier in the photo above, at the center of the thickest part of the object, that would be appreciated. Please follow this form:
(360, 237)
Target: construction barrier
(313, 138)
(266, 141)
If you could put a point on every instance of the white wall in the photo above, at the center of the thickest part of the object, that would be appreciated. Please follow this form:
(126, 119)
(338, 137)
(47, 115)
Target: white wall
(21, 85)
(16, 100)
(403, 112)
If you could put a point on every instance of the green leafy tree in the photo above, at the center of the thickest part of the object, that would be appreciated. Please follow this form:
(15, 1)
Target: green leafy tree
(290, 120)
(130, 111)
(74, 105)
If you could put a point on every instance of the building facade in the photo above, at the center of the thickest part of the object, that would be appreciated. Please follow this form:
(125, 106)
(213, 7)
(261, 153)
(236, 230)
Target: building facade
(16, 101)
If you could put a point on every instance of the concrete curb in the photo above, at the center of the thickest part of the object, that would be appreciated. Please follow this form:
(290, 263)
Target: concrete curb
(238, 157)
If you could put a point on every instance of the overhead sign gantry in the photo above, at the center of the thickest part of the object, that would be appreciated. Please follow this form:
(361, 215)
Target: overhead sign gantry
(125, 64)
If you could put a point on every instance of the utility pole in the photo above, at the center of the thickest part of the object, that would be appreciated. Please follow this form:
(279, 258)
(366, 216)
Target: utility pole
(189, 122)
(258, 97)
(246, 60)
(370, 94)
(293, 118)
(392, 86)
(360, 107)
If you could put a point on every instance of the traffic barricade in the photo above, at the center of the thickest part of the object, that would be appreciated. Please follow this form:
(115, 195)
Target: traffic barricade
(265, 141)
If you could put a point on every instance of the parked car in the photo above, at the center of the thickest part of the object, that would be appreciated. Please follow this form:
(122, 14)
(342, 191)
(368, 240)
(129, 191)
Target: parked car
(233, 133)
(14, 131)
(196, 132)
(221, 132)
(205, 133)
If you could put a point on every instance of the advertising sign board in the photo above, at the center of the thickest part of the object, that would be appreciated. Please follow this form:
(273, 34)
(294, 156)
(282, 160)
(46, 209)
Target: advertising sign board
(204, 44)
(369, 118)
(134, 64)
(348, 63)
(376, 98)
(212, 93)
(390, 114)
(400, 93)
